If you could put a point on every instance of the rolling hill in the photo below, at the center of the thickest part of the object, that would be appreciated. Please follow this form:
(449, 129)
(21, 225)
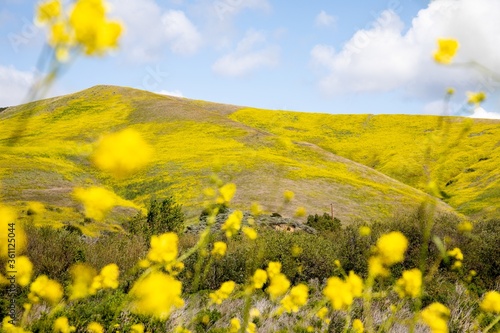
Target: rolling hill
(370, 167)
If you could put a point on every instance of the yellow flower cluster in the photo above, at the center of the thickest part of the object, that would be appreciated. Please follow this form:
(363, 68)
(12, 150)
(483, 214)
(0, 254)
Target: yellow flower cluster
(288, 196)
(164, 248)
(107, 278)
(86, 27)
(122, 153)
(137, 328)
(447, 48)
(259, 278)
(156, 295)
(475, 98)
(61, 325)
(491, 302)
(233, 223)
(390, 249)
(47, 289)
(456, 254)
(86, 281)
(223, 292)
(296, 298)
(234, 325)
(342, 293)
(95, 327)
(279, 283)
(357, 326)
(97, 201)
(7, 222)
(8, 327)
(24, 270)
(219, 249)
(436, 316)
(226, 193)
(250, 232)
(410, 284)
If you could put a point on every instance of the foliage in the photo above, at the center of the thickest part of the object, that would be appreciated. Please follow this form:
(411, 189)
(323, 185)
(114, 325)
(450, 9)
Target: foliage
(324, 222)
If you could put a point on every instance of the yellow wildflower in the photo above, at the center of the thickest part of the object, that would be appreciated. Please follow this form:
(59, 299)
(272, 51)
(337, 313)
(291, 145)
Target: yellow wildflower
(254, 313)
(357, 326)
(48, 11)
(226, 193)
(447, 48)
(61, 325)
(295, 299)
(122, 153)
(156, 295)
(23, 269)
(456, 253)
(233, 223)
(391, 247)
(256, 209)
(250, 233)
(457, 265)
(273, 268)
(288, 196)
(491, 302)
(8, 226)
(180, 329)
(234, 325)
(322, 313)
(108, 278)
(301, 211)
(364, 231)
(338, 293)
(337, 263)
(8, 327)
(450, 91)
(475, 98)
(35, 208)
(97, 201)
(278, 286)
(296, 250)
(259, 278)
(436, 316)
(223, 292)
(164, 248)
(82, 279)
(47, 289)
(251, 328)
(137, 328)
(376, 267)
(465, 226)
(219, 249)
(94, 327)
(355, 283)
(410, 284)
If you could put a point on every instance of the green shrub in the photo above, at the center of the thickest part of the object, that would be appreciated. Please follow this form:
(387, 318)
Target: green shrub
(324, 222)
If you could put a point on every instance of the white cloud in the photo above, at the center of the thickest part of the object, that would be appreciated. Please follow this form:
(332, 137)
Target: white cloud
(175, 93)
(246, 58)
(324, 20)
(14, 85)
(227, 9)
(149, 29)
(182, 35)
(385, 57)
(479, 112)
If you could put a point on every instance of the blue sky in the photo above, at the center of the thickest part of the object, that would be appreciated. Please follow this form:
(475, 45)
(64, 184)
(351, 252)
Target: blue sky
(327, 56)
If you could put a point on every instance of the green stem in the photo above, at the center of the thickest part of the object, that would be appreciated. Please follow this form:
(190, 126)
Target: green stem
(347, 320)
(246, 310)
(367, 304)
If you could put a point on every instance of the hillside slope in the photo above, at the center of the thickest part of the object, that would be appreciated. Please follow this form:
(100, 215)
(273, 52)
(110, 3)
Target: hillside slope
(192, 140)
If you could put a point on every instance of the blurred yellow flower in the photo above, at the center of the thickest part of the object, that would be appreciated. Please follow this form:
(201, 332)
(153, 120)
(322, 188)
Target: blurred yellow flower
(108, 278)
(219, 249)
(322, 313)
(233, 223)
(273, 268)
(250, 233)
(391, 247)
(357, 326)
(278, 285)
(447, 48)
(301, 211)
(450, 91)
(254, 313)
(97, 201)
(223, 292)
(164, 248)
(180, 329)
(475, 97)
(251, 328)
(8, 226)
(8, 327)
(226, 193)
(61, 325)
(256, 209)
(491, 302)
(23, 269)
(48, 11)
(35, 208)
(82, 276)
(296, 298)
(122, 153)
(156, 295)
(94, 327)
(47, 289)
(296, 250)
(410, 284)
(364, 231)
(436, 316)
(234, 325)
(456, 253)
(376, 267)
(259, 278)
(338, 293)
(288, 196)
(137, 328)
(355, 284)
(465, 226)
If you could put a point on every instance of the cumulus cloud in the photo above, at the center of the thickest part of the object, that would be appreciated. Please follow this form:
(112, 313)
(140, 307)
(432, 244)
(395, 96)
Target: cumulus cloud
(479, 112)
(248, 57)
(324, 20)
(385, 56)
(175, 93)
(14, 85)
(149, 29)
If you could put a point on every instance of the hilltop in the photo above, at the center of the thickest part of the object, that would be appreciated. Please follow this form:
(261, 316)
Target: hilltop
(370, 167)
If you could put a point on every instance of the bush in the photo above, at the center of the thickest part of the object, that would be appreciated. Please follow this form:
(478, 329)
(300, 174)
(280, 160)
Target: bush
(324, 222)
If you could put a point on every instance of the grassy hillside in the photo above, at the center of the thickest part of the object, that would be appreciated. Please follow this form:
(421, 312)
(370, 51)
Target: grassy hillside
(263, 152)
